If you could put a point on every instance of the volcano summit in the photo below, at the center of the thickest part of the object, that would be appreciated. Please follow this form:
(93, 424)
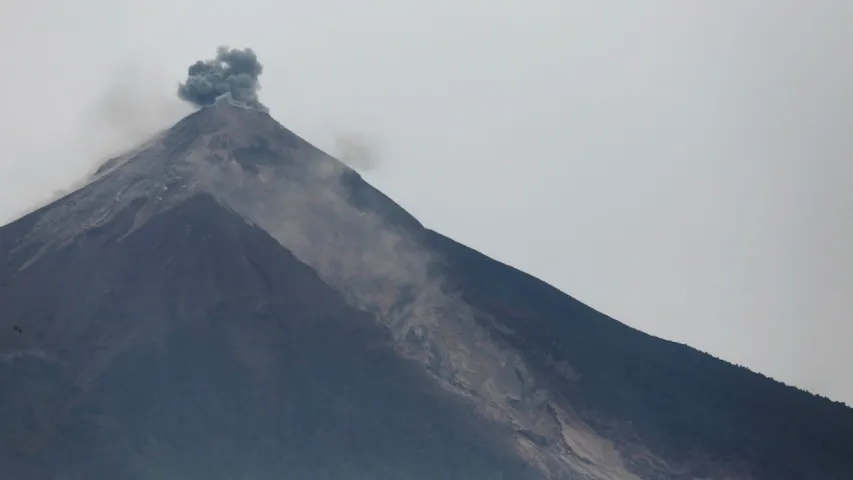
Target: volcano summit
(226, 301)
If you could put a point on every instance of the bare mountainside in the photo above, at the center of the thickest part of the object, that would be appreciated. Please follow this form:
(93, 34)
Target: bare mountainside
(226, 301)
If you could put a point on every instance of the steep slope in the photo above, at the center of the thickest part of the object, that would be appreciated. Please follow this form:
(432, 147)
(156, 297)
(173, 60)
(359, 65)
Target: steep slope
(706, 416)
(197, 347)
(301, 299)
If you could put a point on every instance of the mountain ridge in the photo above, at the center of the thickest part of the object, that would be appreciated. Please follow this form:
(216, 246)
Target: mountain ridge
(574, 393)
(125, 354)
(555, 291)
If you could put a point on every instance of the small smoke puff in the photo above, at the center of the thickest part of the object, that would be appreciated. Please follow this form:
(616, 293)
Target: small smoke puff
(356, 151)
(233, 71)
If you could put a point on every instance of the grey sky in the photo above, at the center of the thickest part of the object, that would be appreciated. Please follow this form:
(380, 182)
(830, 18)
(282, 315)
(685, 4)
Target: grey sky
(682, 166)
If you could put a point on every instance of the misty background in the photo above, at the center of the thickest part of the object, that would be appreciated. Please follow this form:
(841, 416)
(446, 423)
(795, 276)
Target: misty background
(684, 167)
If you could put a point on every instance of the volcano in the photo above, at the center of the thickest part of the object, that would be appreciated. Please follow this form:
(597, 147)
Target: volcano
(228, 302)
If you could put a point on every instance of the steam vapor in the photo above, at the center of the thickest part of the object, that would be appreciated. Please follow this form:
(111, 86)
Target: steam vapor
(356, 150)
(233, 72)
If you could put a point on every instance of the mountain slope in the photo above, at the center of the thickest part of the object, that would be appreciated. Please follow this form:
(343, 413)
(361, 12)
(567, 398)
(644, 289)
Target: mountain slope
(690, 408)
(226, 291)
(197, 347)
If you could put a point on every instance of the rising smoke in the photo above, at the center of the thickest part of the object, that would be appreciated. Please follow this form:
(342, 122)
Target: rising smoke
(233, 71)
(356, 150)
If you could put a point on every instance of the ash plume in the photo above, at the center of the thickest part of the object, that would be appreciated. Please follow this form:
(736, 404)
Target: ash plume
(232, 71)
(357, 151)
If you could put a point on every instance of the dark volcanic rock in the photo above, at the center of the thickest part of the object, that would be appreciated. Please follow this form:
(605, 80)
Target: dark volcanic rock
(654, 395)
(228, 302)
(198, 347)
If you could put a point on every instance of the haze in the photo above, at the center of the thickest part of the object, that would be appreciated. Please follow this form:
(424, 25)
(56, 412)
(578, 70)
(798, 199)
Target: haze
(682, 166)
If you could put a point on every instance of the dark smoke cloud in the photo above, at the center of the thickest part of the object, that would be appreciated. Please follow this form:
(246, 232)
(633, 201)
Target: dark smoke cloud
(233, 71)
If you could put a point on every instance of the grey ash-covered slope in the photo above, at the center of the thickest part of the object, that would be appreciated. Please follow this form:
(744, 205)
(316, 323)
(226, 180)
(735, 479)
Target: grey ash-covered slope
(197, 347)
(228, 302)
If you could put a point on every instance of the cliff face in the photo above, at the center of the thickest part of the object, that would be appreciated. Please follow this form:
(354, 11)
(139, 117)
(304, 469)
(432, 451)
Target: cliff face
(226, 301)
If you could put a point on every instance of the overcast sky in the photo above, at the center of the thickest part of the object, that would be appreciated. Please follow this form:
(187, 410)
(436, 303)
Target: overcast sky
(683, 166)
